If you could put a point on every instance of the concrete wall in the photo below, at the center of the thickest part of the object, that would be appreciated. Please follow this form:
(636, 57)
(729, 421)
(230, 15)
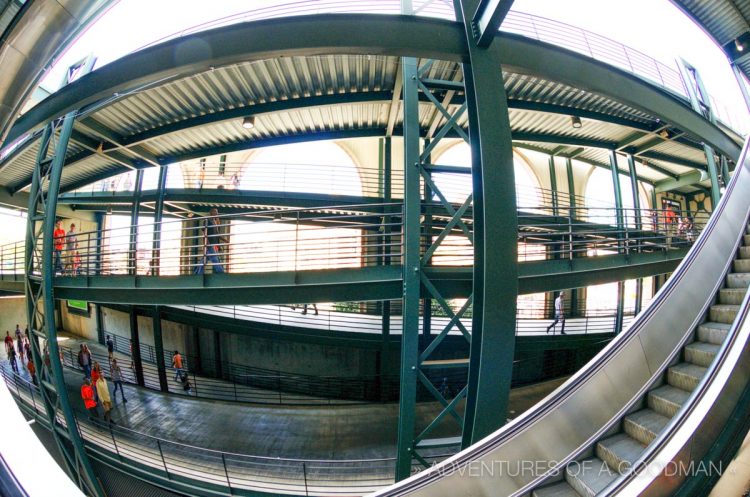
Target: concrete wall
(79, 325)
(12, 312)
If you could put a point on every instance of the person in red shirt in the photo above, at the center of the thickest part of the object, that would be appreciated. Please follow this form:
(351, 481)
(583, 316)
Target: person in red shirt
(32, 370)
(8, 342)
(89, 400)
(59, 237)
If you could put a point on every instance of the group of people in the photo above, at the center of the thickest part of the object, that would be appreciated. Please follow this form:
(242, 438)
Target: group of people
(674, 224)
(66, 249)
(18, 351)
(95, 389)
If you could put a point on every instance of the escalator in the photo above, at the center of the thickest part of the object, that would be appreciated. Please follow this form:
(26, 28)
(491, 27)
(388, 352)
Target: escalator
(657, 412)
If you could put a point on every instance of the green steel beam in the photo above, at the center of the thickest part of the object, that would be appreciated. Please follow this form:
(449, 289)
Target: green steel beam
(495, 285)
(159, 349)
(687, 179)
(40, 298)
(487, 19)
(411, 272)
(135, 345)
(617, 190)
(553, 184)
(634, 187)
(571, 186)
(342, 285)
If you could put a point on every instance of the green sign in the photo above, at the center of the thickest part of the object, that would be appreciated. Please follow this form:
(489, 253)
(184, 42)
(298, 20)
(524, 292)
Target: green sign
(81, 305)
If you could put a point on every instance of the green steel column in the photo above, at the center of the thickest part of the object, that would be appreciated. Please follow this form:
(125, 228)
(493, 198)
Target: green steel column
(653, 198)
(386, 307)
(159, 350)
(155, 262)
(553, 184)
(571, 186)
(427, 301)
(99, 324)
(638, 295)
(689, 75)
(411, 271)
(133, 248)
(495, 285)
(618, 194)
(725, 170)
(135, 343)
(634, 186)
(620, 306)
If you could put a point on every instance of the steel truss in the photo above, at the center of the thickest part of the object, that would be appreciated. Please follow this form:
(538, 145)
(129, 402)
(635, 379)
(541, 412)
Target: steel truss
(40, 300)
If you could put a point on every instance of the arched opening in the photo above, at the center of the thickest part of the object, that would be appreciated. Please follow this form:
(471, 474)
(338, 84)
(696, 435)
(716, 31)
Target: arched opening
(311, 167)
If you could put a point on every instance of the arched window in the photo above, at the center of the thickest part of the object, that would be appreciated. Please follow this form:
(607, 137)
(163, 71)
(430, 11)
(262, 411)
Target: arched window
(600, 194)
(312, 167)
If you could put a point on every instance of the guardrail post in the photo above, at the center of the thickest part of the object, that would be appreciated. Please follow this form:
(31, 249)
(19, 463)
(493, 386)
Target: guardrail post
(304, 475)
(163, 461)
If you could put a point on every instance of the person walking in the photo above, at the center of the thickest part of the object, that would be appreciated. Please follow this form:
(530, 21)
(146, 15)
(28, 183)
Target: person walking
(117, 380)
(8, 342)
(32, 370)
(304, 308)
(12, 359)
(102, 390)
(559, 315)
(84, 360)
(59, 243)
(89, 400)
(71, 245)
(212, 242)
(110, 348)
(20, 348)
(177, 365)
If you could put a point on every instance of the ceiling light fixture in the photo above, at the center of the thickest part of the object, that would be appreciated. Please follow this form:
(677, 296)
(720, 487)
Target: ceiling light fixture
(739, 46)
(248, 122)
(664, 134)
(575, 121)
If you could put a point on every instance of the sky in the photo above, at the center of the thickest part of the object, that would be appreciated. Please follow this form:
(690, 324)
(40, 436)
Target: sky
(654, 27)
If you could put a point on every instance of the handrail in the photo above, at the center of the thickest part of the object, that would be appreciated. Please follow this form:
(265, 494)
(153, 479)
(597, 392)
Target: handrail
(200, 463)
(634, 359)
(346, 237)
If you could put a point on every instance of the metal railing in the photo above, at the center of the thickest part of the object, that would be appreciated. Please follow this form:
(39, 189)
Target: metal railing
(224, 472)
(346, 237)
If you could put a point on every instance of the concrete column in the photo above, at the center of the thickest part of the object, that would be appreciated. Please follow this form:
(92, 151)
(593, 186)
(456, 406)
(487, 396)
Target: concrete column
(136, 342)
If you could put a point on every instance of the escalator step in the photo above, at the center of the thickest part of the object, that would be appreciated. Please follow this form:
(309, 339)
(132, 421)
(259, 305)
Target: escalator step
(667, 400)
(746, 239)
(732, 296)
(723, 313)
(710, 332)
(562, 489)
(619, 452)
(685, 376)
(738, 280)
(644, 425)
(742, 265)
(700, 353)
(590, 476)
(744, 253)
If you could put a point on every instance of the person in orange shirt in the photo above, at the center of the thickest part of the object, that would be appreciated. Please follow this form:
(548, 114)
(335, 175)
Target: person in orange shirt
(59, 238)
(87, 394)
(32, 370)
(177, 365)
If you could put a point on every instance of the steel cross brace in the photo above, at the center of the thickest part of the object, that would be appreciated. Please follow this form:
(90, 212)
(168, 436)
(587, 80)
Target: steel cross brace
(419, 167)
(40, 301)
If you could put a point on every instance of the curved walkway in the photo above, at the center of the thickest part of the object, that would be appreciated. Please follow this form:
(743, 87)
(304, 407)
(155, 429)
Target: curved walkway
(346, 448)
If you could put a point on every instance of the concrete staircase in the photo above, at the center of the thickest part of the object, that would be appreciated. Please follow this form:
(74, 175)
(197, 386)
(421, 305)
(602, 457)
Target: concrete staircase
(615, 454)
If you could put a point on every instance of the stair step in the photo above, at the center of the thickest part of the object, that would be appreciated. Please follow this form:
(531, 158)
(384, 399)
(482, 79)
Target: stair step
(741, 265)
(619, 452)
(701, 353)
(644, 425)
(738, 280)
(667, 400)
(732, 296)
(723, 313)
(590, 476)
(744, 253)
(685, 376)
(562, 489)
(713, 332)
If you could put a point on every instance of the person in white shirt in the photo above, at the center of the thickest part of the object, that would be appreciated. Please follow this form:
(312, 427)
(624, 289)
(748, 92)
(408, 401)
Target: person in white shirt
(559, 315)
